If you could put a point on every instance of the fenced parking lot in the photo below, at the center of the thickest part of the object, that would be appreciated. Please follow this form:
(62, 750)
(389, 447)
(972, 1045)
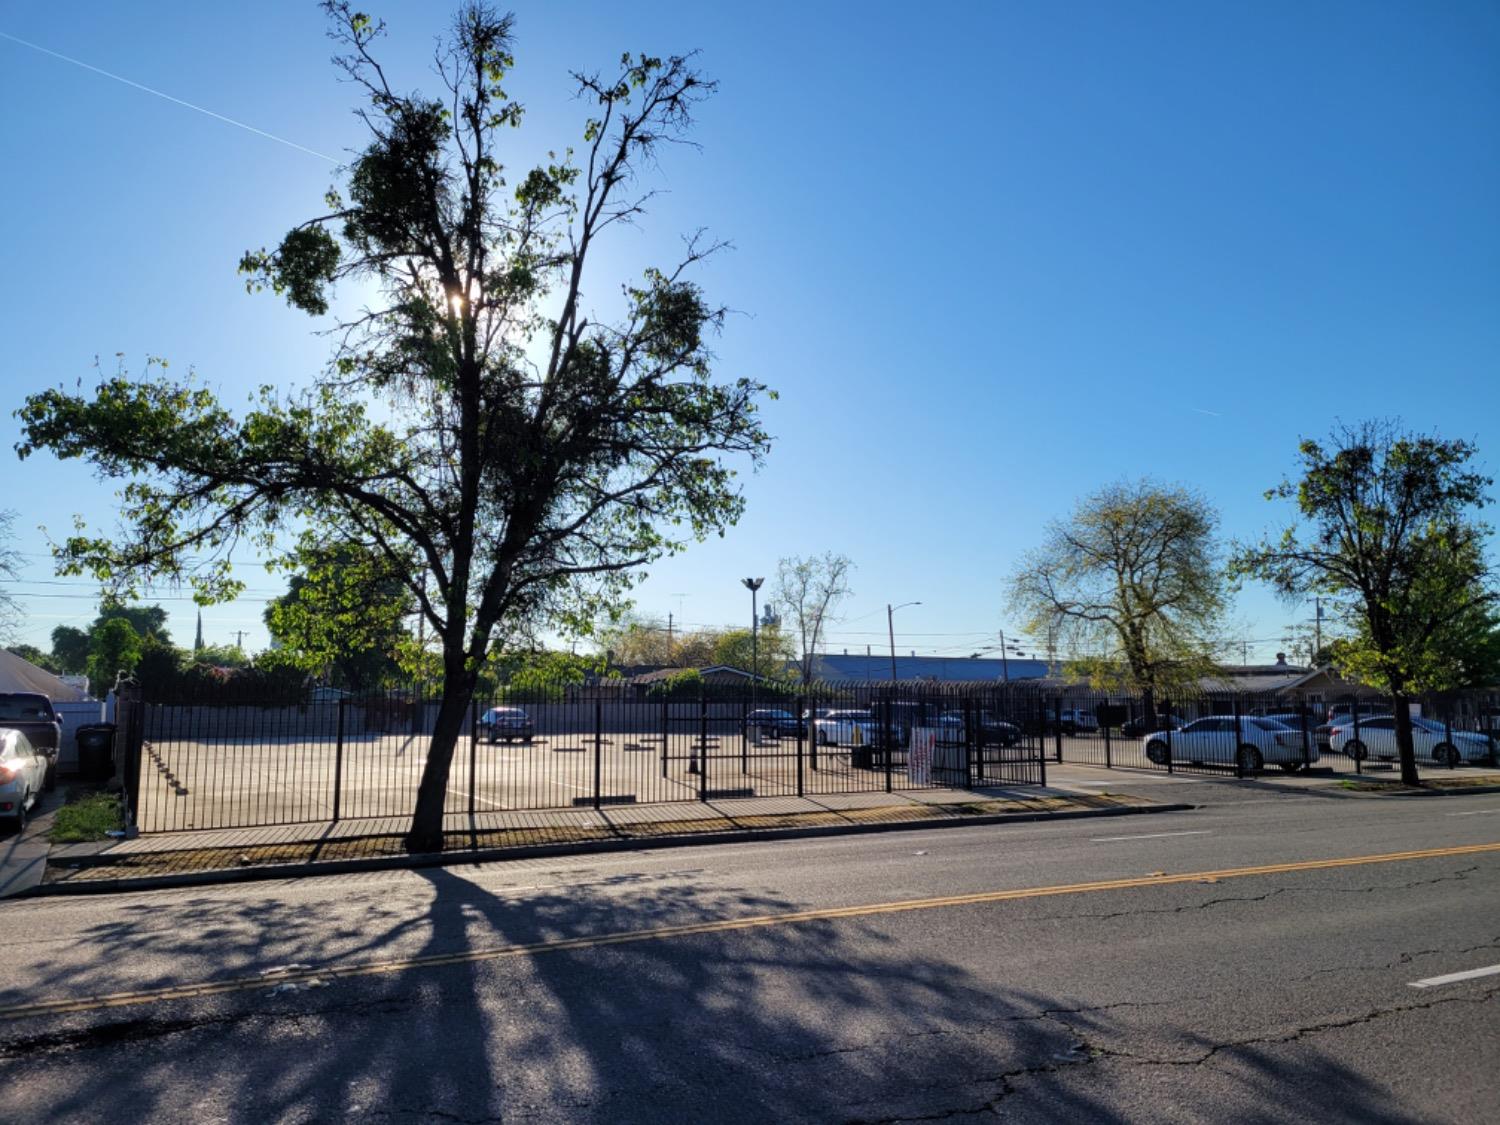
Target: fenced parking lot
(222, 765)
(212, 763)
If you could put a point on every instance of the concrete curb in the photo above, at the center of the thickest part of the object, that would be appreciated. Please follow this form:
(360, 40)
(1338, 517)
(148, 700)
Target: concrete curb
(542, 851)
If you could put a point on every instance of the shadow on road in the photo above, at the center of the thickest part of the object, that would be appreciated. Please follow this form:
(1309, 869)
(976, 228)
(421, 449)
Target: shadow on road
(815, 1021)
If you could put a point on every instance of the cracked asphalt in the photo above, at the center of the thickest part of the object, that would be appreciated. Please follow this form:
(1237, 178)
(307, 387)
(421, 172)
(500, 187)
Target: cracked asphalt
(1280, 997)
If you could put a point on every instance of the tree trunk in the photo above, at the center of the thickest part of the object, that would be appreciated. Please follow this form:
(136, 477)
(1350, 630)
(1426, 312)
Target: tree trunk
(426, 832)
(1405, 748)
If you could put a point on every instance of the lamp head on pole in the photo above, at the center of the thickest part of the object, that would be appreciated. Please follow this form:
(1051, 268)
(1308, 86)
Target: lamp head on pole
(752, 584)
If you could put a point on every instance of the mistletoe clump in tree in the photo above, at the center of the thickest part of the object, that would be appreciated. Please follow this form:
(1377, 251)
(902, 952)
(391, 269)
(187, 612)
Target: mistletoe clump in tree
(478, 432)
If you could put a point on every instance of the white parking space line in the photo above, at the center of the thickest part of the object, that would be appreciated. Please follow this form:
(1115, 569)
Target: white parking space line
(1454, 978)
(1149, 836)
(482, 800)
(1474, 812)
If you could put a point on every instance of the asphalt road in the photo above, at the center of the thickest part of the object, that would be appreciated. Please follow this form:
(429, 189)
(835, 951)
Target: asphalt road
(920, 975)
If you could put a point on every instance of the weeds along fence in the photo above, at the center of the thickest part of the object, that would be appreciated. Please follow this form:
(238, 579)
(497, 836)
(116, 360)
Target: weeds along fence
(215, 759)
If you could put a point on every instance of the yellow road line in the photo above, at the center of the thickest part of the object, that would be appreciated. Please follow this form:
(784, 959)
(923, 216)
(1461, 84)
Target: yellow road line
(381, 968)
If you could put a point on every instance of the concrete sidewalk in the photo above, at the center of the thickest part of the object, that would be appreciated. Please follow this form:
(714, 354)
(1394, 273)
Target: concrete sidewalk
(181, 858)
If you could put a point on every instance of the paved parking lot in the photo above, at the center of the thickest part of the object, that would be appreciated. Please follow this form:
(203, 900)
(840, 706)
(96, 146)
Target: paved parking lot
(226, 783)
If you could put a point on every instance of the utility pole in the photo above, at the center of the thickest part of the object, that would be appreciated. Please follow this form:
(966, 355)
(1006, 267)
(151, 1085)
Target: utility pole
(1004, 663)
(239, 635)
(669, 637)
(1317, 629)
(890, 626)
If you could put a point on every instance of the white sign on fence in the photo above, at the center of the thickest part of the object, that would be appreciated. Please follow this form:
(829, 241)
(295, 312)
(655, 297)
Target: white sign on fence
(919, 757)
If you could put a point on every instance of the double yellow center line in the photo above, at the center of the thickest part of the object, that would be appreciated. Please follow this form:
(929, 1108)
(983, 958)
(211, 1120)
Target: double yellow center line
(628, 937)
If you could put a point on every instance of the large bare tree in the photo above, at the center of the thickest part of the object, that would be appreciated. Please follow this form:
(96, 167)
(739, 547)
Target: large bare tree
(481, 431)
(810, 591)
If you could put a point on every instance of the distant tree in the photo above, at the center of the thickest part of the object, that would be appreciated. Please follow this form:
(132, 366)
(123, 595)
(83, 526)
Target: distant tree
(517, 455)
(33, 655)
(686, 684)
(1133, 575)
(1392, 530)
(70, 649)
(114, 648)
(10, 569)
(632, 643)
(344, 616)
(221, 656)
(810, 590)
(146, 620)
(736, 647)
(159, 668)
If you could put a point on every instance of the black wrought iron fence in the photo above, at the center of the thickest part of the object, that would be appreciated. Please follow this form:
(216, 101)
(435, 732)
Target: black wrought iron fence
(214, 762)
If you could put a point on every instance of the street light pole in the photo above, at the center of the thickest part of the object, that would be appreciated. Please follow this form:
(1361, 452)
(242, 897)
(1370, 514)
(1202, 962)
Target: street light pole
(890, 626)
(753, 584)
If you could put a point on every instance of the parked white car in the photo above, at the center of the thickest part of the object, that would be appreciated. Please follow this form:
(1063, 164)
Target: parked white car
(844, 728)
(1214, 740)
(22, 772)
(1377, 738)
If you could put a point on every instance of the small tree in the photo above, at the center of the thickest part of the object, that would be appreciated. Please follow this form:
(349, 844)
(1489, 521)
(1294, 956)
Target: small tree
(114, 648)
(70, 649)
(738, 648)
(810, 590)
(1133, 577)
(343, 617)
(516, 455)
(1392, 531)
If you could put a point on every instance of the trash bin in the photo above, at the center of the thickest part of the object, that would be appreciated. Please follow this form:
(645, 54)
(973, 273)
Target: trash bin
(96, 751)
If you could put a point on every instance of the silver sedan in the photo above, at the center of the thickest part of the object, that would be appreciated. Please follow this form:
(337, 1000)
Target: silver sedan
(22, 771)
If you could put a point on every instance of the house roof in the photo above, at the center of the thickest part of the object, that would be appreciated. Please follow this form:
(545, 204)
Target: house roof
(944, 669)
(22, 675)
(707, 670)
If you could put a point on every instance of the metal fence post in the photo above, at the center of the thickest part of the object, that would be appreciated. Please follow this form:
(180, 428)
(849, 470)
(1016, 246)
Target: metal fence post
(1057, 731)
(1234, 707)
(598, 747)
(970, 733)
(1359, 758)
(744, 742)
(803, 731)
(702, 750)
(666, 731)
(890, 742)
(1448, 738)
(1302, 721)
(1041, 747)
(1168, 733)
(473, 749)
(1109, 759)
(338, 763)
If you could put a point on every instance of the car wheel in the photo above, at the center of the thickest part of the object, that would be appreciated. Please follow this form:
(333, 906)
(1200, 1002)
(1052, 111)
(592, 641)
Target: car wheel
(1447, 754)
(1249, 760)
(1156, 752)
(1356, 751)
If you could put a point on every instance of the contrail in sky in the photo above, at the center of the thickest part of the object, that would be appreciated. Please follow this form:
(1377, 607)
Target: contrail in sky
(1210, 413)
(170, 98)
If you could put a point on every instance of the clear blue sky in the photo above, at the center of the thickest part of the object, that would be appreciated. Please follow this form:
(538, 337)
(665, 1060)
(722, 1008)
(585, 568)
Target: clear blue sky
(992, 256)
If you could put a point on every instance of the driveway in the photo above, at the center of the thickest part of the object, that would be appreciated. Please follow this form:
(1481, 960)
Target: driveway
(23, 855)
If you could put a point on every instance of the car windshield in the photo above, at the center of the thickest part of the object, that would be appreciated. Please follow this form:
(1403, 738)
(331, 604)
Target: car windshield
(1426, 724)
(1270, 724)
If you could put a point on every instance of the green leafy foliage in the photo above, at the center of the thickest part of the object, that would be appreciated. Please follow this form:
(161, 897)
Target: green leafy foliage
(114, 650)
(1387, 524)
